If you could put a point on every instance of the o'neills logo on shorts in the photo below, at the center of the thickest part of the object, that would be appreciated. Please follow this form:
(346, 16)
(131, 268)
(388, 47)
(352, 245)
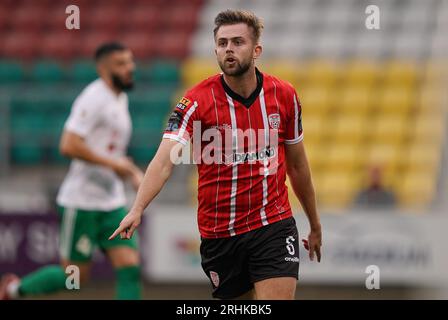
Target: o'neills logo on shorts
(215, 278)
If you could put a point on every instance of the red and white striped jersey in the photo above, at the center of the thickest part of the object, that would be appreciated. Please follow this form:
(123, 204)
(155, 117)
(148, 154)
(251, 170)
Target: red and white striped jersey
(239, 148)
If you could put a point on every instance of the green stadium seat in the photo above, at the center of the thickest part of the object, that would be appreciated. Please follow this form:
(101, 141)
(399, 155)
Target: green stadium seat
(47, 71)
(83, 71)
(164, 72)
(11, 71)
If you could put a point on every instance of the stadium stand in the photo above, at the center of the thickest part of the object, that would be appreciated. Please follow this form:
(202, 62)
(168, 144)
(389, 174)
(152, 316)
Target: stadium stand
(370, 97)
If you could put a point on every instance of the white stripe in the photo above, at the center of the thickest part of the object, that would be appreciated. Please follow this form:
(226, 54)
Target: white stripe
(276, 171)
(264, 220)
(294, 141)
(296, 119)
(174, 137)
(250, 187)
(185, 121)
(234, 166)
(219, 169)
(69, 219)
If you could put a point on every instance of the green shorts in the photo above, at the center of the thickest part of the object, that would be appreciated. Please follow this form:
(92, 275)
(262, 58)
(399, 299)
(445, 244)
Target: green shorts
(83, 230)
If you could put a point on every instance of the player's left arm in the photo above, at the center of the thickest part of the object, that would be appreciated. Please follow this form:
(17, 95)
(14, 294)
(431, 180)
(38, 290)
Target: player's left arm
(299, 174)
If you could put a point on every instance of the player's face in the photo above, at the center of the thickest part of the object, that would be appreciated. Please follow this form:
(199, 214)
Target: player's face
(121, 67)
(236, 49)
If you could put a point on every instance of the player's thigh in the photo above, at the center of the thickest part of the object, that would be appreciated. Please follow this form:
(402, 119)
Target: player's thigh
(121, 252)
(281, 288)
(224, 261)
(77, 235)
(274, 260)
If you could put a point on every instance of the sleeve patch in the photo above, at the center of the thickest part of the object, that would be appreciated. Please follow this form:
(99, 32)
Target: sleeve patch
(174, 121)
(183, 103)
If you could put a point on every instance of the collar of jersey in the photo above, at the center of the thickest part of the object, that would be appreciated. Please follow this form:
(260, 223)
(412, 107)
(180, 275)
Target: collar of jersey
(247, 102)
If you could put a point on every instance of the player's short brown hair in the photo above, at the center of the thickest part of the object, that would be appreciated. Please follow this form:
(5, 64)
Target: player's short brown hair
(229, 17)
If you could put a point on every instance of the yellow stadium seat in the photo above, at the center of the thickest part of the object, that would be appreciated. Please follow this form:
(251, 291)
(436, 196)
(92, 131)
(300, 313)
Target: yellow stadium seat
(285, 70)
(343, 157)
(316, 154)
(313, 127)
(389, 130)
(424, 157)
(417, 189)
(362, 73)
(322, 73)
(196, 70)
(432, 99)
(350, 129)
(401, 73)
(395, 100)
(316, 99)
(355, 100)
(429, 129)
(337, 189)
(435, 72)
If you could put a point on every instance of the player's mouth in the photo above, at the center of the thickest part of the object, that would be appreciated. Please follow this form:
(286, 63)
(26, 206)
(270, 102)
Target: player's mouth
(230, 60)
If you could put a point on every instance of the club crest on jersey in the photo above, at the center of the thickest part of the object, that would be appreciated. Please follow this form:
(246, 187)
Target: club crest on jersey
(183, 103)
(215, 278)
(274, 120)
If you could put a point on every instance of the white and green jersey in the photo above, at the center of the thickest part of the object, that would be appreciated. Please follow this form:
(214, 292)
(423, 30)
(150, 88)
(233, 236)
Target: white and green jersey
(102, 119)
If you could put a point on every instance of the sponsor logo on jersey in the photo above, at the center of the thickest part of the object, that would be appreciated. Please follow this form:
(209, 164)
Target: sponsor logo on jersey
(264, 154)
(183, 103)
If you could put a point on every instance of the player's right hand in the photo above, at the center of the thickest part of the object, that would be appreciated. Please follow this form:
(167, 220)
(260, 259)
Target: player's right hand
(125, 167)
(127, 226)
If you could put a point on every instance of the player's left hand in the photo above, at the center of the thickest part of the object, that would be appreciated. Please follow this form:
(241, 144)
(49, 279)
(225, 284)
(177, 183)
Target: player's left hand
(127, 225)
(314, 244)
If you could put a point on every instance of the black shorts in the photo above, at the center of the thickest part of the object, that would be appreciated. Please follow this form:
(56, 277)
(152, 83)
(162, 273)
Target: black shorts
(234, 264)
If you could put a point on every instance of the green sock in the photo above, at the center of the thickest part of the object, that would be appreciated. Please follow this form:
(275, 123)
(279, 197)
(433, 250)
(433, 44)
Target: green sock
(128, 285)
(45, 280)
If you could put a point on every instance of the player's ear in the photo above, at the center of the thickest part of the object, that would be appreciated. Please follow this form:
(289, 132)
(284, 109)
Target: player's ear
(257, 51)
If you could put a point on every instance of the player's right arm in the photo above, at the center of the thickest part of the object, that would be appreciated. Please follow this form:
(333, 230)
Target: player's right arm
(72, 145)
(86, 113)
(157, 173)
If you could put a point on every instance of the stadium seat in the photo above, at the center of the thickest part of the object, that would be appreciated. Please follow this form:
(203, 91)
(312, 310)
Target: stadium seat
(316, 99)
(337, 189)
(11, 71)
(362, 73)
(417, 190)
(390, 129)
(47, 71)
(195, 70)
(355, 100)
(350, 128)
(401, 73)
(163, 72)
(83, 71)
(396, 100)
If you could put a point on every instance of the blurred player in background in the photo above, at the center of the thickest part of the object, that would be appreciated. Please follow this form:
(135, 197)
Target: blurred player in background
(249, 238)
(91, 200)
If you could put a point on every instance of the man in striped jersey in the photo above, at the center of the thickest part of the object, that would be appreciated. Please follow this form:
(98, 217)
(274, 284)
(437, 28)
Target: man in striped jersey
(249, 124)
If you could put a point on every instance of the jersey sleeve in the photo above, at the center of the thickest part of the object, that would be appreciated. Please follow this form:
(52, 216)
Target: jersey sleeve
(294, 130)
(84, 116)
(181, 120)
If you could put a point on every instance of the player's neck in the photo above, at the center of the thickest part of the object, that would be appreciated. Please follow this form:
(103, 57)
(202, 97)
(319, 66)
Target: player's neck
(111, 86)
(244, 84)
